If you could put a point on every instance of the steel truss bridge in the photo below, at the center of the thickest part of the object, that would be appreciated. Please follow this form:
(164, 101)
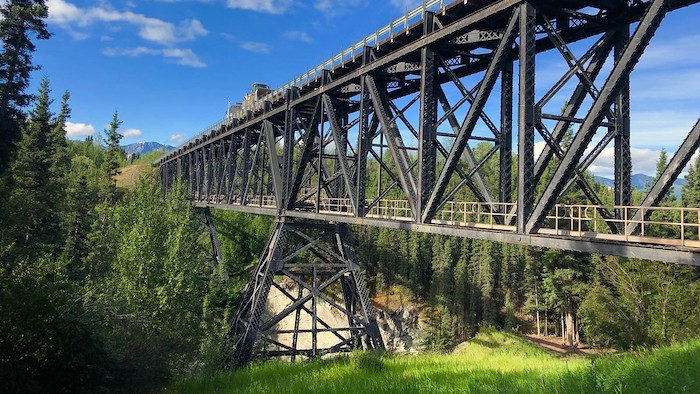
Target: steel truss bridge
(387, 134)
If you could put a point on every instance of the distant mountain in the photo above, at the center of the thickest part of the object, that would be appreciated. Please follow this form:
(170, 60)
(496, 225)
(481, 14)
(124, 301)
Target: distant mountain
(141, 148)
(605, 181)
(641, 181)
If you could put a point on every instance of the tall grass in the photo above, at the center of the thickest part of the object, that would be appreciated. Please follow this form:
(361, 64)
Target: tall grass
(491, 363)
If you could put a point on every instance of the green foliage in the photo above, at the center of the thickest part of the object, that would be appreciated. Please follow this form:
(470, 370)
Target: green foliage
(19, 21)
(439, 335)
(36, 198)
(47, 340)
(640, 304)
(492, 362)
(114, 156)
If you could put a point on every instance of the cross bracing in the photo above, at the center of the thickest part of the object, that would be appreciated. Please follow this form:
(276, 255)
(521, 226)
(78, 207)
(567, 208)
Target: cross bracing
(401, 134)
(390, 108)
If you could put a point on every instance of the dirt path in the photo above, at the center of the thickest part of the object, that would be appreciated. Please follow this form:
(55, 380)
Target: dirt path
(553, 344)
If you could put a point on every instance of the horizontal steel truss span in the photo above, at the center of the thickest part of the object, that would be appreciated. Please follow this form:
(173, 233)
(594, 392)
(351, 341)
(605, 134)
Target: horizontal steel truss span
(419, 117)
(307, 264)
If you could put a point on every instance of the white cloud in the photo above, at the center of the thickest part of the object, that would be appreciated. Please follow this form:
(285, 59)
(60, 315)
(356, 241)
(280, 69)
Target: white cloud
(297, 36)
(662, 128)
(677, 85)
(643, 161)
(337, 7)
(176, 138)
(183, 57)
(69, 16)
(268, 6)
(76, 130)
(257, 47)
(405, 5)
(131, 133)
(680, 52)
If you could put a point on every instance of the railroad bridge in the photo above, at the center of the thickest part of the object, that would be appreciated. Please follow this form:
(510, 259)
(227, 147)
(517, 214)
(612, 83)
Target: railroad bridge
(385, 134)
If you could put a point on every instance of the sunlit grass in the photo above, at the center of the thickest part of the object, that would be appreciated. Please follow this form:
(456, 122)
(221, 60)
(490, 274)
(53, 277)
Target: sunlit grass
(491, 363)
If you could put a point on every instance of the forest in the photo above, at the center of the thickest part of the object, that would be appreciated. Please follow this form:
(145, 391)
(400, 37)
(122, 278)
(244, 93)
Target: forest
(104, 288)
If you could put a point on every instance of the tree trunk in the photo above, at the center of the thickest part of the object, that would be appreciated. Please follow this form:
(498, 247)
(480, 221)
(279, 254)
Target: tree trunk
(571, 337)
(537, 306)
(563, 330)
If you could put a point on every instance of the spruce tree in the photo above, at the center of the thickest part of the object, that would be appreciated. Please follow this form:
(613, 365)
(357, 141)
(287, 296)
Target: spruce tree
(35, 223)
(19, 20)
(112, 156)
(690, 197)
(690, 192)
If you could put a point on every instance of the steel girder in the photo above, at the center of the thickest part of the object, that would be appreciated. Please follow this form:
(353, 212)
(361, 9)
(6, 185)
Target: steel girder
(310, 266)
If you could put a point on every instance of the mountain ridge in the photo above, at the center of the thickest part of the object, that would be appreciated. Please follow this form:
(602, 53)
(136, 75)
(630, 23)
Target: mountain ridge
(641, 181)
(141, 148)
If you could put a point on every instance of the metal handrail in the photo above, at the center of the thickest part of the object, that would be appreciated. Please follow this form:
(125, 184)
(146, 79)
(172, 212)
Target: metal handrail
(574, 220)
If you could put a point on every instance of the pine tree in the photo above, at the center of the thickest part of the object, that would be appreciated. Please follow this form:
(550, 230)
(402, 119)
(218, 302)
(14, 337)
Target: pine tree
(57, 140)
(81, 197)
(485, 269)
(19, 19)
(35, 223)
(462, 292)
(690, 197)
(690, 192)
(112, 156)
(566, 279)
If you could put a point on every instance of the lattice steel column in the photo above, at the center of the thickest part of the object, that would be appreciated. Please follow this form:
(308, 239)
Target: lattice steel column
(526, 116)
(623, 158)
(364, 140)
(506, 137)
(427, 150)
(306, 264)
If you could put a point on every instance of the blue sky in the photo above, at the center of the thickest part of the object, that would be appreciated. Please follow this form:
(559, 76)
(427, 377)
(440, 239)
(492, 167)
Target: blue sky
(170, 66)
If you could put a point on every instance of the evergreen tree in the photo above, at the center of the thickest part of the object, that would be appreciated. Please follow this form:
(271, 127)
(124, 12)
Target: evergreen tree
(113, 155)
(669, 200)
(19, 20)
(35, 195)
(690, 192)
(441, 289)
(462, 292)
(57, 140)
(485, 269)
(81, 197)
(566, 279)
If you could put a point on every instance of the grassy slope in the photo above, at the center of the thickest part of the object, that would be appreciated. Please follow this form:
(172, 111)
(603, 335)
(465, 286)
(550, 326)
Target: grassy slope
(127, 176)
(490, 363)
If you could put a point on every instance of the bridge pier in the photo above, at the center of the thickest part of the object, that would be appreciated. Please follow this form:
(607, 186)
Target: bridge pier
(310, 266)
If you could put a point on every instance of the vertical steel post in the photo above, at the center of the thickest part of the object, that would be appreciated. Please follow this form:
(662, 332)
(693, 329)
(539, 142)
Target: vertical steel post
(288, 159)
(364, 144)
(526, 116)
(506, 137)
(364, 140)
(623, 160)
(427, 150)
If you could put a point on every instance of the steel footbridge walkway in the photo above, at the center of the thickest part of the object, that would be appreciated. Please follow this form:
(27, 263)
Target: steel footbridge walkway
(399, 131)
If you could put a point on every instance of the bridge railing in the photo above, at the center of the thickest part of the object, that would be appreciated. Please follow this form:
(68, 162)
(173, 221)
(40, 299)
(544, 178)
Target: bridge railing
(477, 214)
(677, 226)
(672, 226)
